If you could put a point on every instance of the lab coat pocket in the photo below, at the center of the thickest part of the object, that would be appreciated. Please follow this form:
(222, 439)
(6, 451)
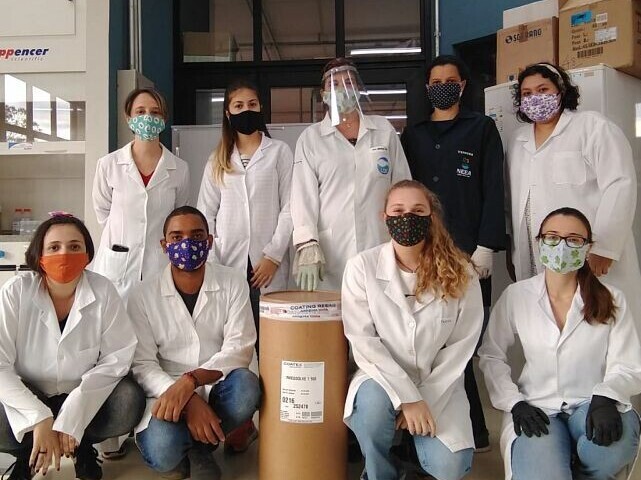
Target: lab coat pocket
(568, 168)
(380, 161)
(111, 264)
(87, 358)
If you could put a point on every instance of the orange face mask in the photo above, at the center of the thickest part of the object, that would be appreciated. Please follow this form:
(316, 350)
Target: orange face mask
(64, 267)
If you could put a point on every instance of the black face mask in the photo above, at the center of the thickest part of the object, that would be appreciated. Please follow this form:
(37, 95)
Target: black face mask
(246, 122)
(444, 95)
(408, 229)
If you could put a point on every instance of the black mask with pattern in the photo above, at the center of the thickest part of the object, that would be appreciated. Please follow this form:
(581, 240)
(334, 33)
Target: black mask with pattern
(444, 95)
(408, 229)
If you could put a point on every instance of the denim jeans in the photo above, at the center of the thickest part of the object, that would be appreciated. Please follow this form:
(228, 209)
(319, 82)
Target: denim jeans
(373, 421)
(550, 456)
(120, 413)
(163, 445)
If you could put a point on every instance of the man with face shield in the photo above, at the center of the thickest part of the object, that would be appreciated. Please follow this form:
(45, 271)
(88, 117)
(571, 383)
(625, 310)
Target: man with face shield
(343, 167)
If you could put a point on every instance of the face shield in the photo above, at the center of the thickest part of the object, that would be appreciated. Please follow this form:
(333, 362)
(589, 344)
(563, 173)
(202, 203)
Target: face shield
(343, 93)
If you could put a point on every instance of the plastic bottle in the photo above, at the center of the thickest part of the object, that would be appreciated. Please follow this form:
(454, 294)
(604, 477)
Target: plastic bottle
(25, 221)
(15, 224)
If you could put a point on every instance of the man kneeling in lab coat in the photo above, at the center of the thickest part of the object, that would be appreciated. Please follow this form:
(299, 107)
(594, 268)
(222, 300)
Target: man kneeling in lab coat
(196, 339)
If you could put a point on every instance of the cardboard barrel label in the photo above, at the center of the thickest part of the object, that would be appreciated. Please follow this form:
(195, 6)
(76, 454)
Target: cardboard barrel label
(302, 392)
(303, 310)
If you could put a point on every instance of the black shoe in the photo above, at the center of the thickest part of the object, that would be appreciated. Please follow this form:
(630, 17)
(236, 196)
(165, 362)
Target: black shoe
(87, 463)
(20, 470)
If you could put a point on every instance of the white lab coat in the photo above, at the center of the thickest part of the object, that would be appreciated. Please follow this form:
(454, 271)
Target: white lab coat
(560, 366)
(413, 354)
(220, 335)
(586, 164)
(87, 360)
(133, 215)
(338, 190)
(249, 214)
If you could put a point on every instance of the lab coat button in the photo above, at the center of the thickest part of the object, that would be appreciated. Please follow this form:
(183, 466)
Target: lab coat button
(435, 178)
(411, 324)
(437, 146)
(411, 352)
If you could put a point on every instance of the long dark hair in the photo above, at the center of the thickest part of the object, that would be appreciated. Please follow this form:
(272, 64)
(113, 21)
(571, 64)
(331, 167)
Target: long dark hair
(569, 91)
(598, 303)
(221, 156)
(34, 251)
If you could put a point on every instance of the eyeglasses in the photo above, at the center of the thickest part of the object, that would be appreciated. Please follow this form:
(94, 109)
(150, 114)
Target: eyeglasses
(572, 241)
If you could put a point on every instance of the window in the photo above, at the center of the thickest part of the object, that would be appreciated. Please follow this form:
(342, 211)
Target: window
(41, 110)
(296, 105)
(389, 101)
(381, 27)
(209, 106)
(15, 98)
(216, 30)
(298, 29)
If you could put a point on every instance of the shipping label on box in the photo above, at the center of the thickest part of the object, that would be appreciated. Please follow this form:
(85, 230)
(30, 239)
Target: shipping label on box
(517, 47)
(601, 31)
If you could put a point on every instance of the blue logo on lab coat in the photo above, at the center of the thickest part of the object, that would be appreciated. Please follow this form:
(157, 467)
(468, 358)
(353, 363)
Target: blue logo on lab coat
(383, 165)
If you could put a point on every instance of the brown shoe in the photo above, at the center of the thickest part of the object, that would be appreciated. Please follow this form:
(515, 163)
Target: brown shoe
(239, 440)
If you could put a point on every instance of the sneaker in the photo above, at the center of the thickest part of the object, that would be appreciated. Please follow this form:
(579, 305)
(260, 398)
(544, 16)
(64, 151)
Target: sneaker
(202, 465)
(239, 440)
(87, 463)
(20, 470)
(115, 455)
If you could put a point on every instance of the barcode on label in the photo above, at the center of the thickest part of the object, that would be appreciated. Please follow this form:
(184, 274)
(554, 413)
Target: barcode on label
(317, 414)
(590, 52)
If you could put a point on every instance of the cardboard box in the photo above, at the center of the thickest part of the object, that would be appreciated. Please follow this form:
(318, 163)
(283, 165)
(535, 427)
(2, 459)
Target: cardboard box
(303, 372)
(530, 13)
(601, 31)
(517, 47)
(218, 46)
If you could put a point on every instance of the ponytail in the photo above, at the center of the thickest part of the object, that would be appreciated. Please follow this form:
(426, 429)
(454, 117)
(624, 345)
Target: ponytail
(598, 303)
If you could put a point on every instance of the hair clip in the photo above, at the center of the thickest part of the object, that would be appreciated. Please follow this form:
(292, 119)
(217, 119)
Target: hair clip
(60, 213)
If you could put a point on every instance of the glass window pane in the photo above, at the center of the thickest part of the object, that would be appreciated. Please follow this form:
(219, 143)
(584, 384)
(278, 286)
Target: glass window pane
(15, 98)
(296, 105)
(298, 29)
(41, 110)
(388, 101)
(63, 118)
(216, 30)
(381, 27)
(209, 106)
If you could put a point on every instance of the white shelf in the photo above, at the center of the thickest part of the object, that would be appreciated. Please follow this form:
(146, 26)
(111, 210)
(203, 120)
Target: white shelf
(45, 148)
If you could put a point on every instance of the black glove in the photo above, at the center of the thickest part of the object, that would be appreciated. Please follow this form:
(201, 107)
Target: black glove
(603, 424)
(531, 420)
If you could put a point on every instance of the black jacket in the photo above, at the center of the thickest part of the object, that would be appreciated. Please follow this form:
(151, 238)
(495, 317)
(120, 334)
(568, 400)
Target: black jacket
(462, 162)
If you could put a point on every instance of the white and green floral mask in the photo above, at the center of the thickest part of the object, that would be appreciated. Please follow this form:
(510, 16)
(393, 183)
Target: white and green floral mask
(147, 127)
(561, 258)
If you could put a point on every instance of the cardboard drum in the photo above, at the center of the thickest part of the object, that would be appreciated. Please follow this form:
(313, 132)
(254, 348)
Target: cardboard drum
(303, 370)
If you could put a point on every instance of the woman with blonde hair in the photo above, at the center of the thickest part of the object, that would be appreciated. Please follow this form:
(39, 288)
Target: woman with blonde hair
(412, 311)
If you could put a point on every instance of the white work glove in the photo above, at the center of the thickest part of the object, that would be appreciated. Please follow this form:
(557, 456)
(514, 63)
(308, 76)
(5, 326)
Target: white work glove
(483, 258)
(308, 266)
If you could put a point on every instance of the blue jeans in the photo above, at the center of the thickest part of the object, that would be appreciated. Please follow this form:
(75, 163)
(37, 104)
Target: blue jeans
(550, 456)
(373, 421)
(163, 445)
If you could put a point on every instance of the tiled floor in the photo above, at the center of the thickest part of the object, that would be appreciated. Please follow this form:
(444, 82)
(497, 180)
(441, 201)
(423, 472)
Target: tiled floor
(487, 466)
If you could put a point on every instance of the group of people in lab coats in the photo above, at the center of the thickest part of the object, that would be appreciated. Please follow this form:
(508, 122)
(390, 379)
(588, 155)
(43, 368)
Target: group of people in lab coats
(179, 309)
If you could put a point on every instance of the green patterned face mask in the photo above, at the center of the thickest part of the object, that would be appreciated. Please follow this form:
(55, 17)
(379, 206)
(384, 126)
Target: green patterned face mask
(147, 127)
(561, 258)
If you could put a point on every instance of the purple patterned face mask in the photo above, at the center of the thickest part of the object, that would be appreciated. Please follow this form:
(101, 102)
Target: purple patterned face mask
(188, 254)
(541, 107)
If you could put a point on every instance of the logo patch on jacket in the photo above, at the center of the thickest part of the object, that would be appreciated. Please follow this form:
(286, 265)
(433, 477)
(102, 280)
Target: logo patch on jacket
(464, 170)
(382, 164)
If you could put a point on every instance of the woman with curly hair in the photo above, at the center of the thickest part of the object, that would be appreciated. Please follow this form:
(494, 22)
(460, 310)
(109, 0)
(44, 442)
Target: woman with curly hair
(412, 311)
(568, 158)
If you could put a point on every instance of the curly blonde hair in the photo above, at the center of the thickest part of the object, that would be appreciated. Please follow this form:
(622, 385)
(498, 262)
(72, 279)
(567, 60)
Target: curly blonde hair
(443, 267)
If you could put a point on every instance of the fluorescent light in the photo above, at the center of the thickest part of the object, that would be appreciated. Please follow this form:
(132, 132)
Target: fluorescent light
(217, 99)
(396, 117)
(398, 91)
(384, 51)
